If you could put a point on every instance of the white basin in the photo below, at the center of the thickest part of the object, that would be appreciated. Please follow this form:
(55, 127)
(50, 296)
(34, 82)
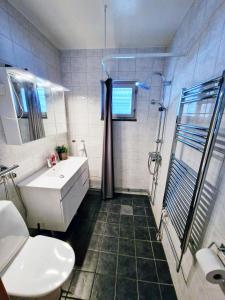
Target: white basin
(57, 176)
(52, 196)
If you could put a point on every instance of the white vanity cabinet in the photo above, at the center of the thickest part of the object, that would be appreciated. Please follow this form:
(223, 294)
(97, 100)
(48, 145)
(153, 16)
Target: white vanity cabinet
(52, 196)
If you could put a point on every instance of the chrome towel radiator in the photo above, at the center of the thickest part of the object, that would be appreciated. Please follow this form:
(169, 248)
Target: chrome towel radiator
(185, 186)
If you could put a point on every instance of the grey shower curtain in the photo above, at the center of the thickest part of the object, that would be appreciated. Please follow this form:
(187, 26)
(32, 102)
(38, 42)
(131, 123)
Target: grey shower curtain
(107, 186)
(36, 126)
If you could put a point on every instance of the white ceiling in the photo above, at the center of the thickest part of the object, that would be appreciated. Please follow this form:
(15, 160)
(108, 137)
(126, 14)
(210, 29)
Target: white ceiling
(77, 24)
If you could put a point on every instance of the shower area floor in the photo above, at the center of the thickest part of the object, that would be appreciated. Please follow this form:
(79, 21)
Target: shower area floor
(117, 254)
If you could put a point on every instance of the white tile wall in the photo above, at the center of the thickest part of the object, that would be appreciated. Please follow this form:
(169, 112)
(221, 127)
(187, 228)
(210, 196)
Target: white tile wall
(203, 34)
(24, 46)
(82, 72)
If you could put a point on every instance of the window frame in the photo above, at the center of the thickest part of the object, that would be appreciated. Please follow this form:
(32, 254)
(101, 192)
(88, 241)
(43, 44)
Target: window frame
(122, 84)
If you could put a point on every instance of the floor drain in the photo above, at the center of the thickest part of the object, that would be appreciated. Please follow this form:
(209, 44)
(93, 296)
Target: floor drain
(126, 210)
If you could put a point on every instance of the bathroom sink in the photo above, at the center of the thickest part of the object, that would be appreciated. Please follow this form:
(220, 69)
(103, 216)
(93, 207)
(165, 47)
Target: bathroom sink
(56, 172)
(52, 196)
(57, 176)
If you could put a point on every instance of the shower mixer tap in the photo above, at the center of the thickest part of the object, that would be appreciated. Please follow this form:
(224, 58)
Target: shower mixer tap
(154, 157)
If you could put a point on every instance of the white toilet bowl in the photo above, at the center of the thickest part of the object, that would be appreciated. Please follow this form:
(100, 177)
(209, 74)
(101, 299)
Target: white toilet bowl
(31, 268)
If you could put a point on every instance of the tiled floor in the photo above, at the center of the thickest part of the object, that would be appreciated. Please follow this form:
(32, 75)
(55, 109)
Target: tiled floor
(117, 255)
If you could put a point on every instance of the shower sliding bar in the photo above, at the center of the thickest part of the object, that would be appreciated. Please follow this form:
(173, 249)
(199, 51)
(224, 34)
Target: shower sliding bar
(184, 196)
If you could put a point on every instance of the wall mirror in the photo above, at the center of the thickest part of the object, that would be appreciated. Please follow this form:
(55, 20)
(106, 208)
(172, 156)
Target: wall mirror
(31, 108)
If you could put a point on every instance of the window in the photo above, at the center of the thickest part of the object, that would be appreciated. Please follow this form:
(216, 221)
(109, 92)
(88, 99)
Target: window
(24, 101)
(42, 100)
(123, 100)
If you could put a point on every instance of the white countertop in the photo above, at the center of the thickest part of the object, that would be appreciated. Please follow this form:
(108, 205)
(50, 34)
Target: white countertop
(55, 177)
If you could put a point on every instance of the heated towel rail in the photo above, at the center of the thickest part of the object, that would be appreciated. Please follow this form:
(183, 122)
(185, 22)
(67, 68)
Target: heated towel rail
(185, 186)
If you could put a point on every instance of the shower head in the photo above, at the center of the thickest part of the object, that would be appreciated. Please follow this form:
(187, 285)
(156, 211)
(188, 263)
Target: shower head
(146, 85)
(143, 85)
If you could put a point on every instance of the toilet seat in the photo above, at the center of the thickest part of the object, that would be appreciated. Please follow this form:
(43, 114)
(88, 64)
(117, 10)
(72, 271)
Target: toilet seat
(42, 265)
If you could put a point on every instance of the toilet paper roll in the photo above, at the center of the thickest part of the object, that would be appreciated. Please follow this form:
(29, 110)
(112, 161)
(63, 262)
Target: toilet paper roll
(211, 265)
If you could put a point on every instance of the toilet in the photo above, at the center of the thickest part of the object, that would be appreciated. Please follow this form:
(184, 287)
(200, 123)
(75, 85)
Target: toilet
(31, 267)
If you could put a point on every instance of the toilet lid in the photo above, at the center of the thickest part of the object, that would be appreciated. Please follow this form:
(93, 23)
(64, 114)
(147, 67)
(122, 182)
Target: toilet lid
(13, 233)
(42, 265)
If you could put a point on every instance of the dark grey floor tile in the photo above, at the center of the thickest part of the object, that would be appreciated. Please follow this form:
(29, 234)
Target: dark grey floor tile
(143, 249)
(139, 210)
(107, 263)
(127, 231)
(142, 233)
(98, 228)
(126, 201)
(103, 288)
(138, 201)
(112, 230)
(109, 244)
(95, 242)
(126, 266)
(126, 220)
(146, 270)
(89, 262)
(90, 228)
(114, 208)
(94, 194)
(113, 218)
(168, 292)
(104, 207)
(116, 200)
(153, 233)
(102, 216)
(163, 271)
(66, 285)
(148, 291)
(148, 212)
(80, 243)
(81, 285)
(126, 247)
(126, 210)
(87, 215)
(151, 222)
(82, 229)
(147, 204)
(126, 289)
(158, 250)
(140, 221)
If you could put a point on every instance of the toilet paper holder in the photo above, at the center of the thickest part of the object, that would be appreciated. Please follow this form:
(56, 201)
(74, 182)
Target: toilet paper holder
(220, 248)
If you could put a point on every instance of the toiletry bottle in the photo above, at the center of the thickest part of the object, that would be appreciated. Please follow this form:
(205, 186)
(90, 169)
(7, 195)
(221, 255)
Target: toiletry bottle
(53, 159)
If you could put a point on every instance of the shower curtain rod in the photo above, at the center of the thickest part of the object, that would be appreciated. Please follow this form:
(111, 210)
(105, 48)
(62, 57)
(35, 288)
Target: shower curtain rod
(106, 58)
